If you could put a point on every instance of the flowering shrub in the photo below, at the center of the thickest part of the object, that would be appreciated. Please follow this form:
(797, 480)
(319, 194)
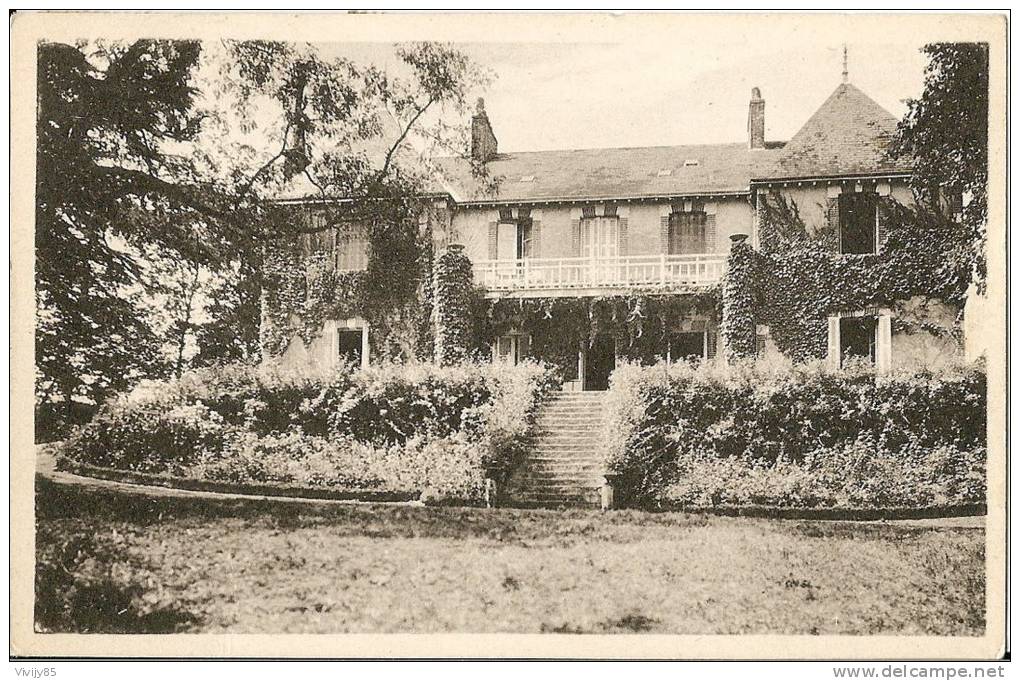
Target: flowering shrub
(158, 435)
(416, 428)
(795, 436)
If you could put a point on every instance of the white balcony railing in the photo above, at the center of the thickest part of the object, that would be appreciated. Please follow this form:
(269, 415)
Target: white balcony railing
(622, 271)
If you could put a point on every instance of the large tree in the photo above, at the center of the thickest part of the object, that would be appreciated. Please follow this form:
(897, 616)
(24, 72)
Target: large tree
(108, 185)
(157, 166)
(359, 139)
(945, 133)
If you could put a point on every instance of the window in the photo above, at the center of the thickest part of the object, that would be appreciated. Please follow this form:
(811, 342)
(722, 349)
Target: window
(351, 248)
(600, 237)
(349, 345)
(687, 233)
(512, 348)
(857, 337)
(858, 222)
(686, 345)
(525, 244)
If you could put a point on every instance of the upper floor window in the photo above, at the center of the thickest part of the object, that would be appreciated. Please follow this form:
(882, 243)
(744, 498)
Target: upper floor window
(858, 222)
(352, 247)
(600, 236)
(515, 235)
(688, 233)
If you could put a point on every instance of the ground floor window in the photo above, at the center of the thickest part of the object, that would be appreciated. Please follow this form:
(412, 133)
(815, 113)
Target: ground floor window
(349, 346)
(858, 338)
(686, 345)
(866, 335)
(513, 348)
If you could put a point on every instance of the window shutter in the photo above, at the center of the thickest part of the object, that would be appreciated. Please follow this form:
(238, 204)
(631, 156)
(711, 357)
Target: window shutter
(493, 235)
(832, 358)
(832, 217)
(623, 236)
(575, 236)
(880, 226)
(664, 233)
(710, 343)
(536, 238)
(883, 343)
(710, 234)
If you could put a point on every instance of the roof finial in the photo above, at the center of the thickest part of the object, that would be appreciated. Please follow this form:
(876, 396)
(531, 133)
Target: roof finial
(846, 74)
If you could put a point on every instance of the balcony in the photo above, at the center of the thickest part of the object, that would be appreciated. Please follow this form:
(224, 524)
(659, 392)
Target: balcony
(590, 276)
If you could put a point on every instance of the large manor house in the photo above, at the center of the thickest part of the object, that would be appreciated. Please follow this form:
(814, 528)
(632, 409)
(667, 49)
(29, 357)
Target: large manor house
(600, 223)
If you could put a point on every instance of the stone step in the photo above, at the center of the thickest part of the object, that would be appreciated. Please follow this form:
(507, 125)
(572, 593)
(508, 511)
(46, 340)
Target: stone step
(566, 449)
(580, 440)
(574, 424)
(556, 465)
(578, 499)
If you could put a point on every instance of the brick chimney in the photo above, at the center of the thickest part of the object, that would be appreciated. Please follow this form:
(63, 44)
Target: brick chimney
(483, 142)
(756, 120)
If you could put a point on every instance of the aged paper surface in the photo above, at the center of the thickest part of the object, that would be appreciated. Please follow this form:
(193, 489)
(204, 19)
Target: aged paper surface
(830, 29)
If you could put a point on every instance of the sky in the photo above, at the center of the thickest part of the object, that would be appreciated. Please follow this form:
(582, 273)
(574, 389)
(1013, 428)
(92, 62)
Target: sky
(584, 95)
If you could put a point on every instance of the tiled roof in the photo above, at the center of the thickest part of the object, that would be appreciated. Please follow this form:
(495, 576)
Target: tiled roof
(614, 173)
(847, 135)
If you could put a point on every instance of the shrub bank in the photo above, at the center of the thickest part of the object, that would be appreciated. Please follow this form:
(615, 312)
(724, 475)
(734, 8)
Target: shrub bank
(390, 429)
(800, 437)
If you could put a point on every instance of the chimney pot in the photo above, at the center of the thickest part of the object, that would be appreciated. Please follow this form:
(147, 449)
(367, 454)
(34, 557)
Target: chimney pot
(756, 120)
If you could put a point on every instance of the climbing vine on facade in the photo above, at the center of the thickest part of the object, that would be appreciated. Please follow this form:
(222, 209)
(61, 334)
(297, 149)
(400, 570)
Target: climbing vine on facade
(452, 284)
(303, 287)
(558, 326)
(800, 278)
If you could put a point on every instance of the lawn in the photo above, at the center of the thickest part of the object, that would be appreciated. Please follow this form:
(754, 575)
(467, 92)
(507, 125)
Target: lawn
(169, 564)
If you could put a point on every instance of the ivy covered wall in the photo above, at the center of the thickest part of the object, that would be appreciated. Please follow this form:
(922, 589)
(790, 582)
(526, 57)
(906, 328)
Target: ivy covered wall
(797, 278)
(303, 287)
(558, 326)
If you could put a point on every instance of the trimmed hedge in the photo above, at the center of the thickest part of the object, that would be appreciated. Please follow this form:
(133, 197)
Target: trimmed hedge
(436, 432)
(800, 436)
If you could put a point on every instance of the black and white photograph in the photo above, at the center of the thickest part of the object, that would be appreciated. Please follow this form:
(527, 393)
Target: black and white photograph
(599, 335)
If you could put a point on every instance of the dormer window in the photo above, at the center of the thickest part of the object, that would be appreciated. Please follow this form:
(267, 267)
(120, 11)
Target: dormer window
(528, 178)
(690, 162)
(858, 222)
(665, 172)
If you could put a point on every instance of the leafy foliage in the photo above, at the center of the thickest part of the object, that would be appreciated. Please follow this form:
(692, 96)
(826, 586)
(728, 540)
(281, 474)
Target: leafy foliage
(640, 322)
(146, 154)
(452, 286)
(432, 431)
(107, 186)
(714, 434)
(798, 279)
(738, 297)
(945, 135)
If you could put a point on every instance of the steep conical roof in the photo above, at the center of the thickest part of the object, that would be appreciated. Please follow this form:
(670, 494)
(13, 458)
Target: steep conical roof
(848, 135)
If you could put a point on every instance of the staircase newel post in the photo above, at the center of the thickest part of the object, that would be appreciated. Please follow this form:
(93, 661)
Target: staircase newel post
(490, 493)
(607, 492)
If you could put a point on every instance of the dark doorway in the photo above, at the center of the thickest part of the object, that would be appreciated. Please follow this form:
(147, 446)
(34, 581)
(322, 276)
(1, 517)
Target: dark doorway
(350, 346)
(599, 363)
(857, 337)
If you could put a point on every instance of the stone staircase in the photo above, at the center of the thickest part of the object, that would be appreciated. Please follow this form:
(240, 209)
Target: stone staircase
(563, 468)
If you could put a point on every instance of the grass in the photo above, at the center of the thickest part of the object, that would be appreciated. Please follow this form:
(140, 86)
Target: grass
(266, 567)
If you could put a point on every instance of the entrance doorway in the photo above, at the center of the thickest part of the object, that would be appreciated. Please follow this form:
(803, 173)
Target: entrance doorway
(599, 362)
